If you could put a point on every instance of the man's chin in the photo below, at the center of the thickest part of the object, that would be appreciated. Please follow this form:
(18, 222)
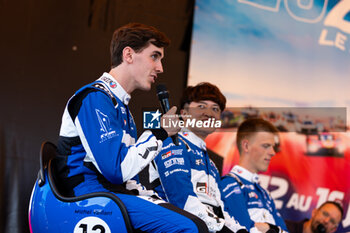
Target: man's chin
(145, 88)
(207, 131)
(211, 130)
(263, 169)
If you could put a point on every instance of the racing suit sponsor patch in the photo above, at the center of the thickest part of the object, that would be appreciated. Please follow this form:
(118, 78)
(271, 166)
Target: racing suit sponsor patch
(253, 203)
(198, 152)
(199, 162)
(111, 83)
(172, 152)
(167, 173)
(177, 152)
(253, 195)
(201, 187)
(236, 190)
(166, 155)
(173, 161)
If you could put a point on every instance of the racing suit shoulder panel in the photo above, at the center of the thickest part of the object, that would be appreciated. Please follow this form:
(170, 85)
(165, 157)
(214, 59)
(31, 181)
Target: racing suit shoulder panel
(230, 186)
(235, 201)
(75, 102)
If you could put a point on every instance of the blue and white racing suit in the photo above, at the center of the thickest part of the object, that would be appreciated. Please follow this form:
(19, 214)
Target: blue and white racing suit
(247, 201)
(189, 180)
(99, 152)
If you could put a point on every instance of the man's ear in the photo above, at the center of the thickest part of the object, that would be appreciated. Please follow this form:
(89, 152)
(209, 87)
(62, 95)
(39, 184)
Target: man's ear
(128, 54)
(313, 213)
(245, 145)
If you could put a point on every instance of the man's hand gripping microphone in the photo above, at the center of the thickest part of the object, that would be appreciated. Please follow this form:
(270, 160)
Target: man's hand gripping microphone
(168, 115)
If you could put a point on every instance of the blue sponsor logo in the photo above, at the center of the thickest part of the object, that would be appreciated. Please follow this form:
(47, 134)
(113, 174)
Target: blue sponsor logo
(237, 190)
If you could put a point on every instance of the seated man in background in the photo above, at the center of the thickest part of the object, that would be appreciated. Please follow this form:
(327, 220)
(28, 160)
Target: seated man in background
(183, 174)
(244, 198)
(324, 219)
(98, 147)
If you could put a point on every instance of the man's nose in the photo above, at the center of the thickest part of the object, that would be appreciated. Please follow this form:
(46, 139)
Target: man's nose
(159, 67)
(208, 112)
(326, 219)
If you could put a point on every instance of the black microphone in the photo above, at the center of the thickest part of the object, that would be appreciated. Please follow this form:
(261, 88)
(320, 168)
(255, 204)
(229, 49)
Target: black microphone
(163, 96)
(321, 228)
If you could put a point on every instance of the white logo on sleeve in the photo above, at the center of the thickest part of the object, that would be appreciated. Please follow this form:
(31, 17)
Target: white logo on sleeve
(106, 129)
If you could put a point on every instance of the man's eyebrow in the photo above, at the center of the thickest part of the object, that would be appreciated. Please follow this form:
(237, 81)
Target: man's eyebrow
(203, 102)
(158, 53)
(268, 144)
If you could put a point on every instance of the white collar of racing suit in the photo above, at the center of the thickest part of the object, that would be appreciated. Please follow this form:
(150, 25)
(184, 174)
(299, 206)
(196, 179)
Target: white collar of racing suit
(193, 138)
(245, 174)
(115, 87)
